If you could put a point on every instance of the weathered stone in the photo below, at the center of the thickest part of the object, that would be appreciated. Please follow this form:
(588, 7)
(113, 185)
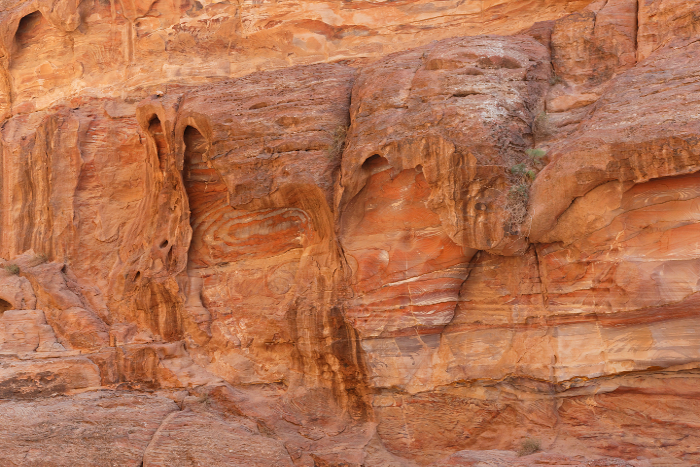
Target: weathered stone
(26, 331)
(349, 233)
(52, 47)
(204, 439)
(28, 379)
(97, 428)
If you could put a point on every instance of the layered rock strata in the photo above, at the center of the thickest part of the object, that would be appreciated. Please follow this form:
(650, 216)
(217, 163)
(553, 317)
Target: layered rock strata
(367, 233)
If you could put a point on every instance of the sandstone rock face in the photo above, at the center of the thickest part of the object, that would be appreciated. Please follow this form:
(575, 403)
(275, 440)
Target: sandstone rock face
(52, 48)
(420, 188)
(188, 437)
(349, 233)
(95, 428)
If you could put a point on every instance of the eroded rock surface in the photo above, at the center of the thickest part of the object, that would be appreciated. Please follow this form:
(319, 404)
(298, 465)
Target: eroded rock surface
(349, 233)
(95, 428)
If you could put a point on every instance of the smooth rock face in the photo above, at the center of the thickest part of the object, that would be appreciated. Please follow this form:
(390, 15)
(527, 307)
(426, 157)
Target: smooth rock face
(27, 379)
(188, 437)
(509, 458)
(97, 428)
(349, 233)
(27, 331)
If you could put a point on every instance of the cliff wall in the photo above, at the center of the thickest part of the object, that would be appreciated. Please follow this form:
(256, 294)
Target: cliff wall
(349, 233)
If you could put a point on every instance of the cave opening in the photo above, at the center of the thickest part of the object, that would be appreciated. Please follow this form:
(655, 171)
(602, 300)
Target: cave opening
(28, 29)
(375, 163)
(4, 306)
(155, 128)
(372, 161)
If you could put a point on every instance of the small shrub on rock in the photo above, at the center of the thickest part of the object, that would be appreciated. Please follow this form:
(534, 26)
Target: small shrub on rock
(12, 269)
(338, 142)
(537, 157)
(529, 446)
(521, 177)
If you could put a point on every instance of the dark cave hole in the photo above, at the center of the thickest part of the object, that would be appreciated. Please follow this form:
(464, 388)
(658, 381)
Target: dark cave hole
(375, 164)
(4, 306)
(170, 259)
(28, 28)
(155, 128)
(195, 142)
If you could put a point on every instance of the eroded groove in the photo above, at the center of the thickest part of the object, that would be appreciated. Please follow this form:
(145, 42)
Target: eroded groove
(155, 128)
(207, 194)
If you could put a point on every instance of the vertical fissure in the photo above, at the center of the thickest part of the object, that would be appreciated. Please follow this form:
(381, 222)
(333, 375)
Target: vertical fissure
(636, 31)
(155, 128)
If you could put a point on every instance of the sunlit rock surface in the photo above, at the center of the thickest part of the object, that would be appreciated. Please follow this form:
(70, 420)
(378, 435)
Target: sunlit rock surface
(350, 233)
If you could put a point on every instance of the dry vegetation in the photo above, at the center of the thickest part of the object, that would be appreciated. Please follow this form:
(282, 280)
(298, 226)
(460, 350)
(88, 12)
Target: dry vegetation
(12, 269)
(521, 176)
(529, 446)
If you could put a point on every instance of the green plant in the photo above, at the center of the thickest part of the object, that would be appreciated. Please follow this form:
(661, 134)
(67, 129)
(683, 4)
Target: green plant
(12, 269)
(536, 154)
(529, 446)
(518, 169)
(41, 258)
(522, 170)
(537, 157)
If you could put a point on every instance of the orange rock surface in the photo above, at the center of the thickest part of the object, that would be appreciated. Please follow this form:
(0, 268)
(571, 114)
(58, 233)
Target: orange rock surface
(372, 233)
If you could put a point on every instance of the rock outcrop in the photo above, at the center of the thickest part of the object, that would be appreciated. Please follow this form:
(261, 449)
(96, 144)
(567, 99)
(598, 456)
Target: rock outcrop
(349, 233)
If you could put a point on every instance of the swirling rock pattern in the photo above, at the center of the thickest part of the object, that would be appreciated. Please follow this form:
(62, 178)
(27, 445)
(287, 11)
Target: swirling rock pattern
(349, 233)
